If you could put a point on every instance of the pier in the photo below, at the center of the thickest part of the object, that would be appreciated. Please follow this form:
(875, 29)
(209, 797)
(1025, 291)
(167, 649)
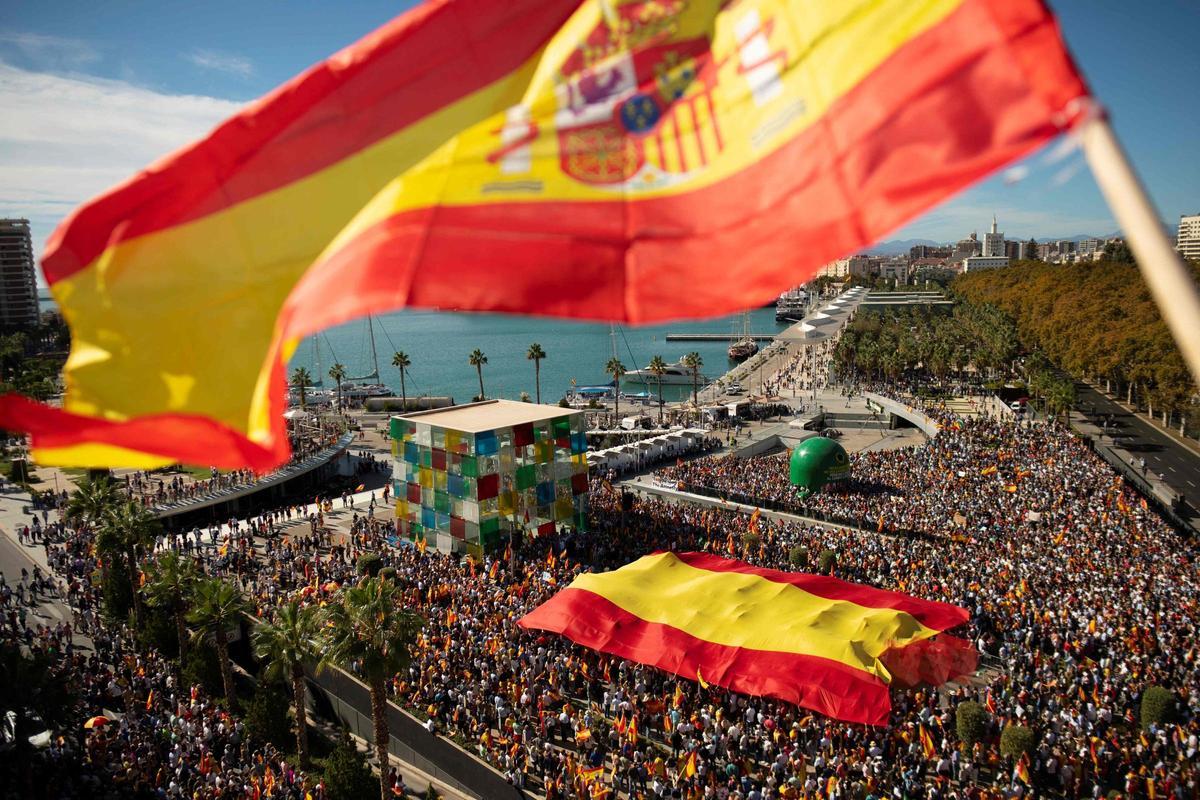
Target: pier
(717, 337)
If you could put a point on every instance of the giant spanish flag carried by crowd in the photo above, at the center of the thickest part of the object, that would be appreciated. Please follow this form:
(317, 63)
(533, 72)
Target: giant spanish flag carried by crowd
(632, 160)
(815, 641)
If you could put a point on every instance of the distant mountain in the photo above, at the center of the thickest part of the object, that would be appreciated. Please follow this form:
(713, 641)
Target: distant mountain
(896, 247)
(1079, 237)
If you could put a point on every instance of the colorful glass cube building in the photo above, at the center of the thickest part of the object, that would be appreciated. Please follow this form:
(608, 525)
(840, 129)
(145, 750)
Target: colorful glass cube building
(465, 476)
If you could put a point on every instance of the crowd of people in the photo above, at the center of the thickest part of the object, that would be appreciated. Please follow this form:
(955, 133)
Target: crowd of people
(158, 488)
(1076, 613)
(132, 729)
(978, 473)
(1080, 598)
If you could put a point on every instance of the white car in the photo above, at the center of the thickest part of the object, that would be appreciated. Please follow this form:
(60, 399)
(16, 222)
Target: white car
(734, 388)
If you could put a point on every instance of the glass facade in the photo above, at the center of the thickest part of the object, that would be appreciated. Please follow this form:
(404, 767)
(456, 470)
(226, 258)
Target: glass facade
(464, 491)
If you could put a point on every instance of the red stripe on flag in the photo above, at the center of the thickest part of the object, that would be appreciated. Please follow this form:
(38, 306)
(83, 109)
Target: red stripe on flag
(820, 684)
(930, 613)
(186, 438)
(424, 59)
(946, 109)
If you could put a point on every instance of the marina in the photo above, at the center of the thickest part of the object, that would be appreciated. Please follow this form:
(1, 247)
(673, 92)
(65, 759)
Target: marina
(718, 337)
(438, 344)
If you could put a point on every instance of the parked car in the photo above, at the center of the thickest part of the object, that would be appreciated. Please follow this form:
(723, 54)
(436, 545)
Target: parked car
(734, 388)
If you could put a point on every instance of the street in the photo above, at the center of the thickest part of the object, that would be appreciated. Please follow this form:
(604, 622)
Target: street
(1178, 465)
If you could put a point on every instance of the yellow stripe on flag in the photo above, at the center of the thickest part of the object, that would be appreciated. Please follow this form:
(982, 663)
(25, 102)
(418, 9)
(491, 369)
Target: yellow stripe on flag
(740, 610)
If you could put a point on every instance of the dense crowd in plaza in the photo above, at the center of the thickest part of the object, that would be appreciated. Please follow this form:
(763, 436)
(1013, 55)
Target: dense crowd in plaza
(1076, 613)
(979, 473)
(149, 735)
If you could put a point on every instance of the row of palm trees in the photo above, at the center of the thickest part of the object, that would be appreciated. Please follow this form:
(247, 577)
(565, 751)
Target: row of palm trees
(368, 630)
(301, 379)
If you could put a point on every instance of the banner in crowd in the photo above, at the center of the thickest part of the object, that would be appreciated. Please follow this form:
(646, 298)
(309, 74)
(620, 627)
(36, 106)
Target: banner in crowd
(815, 641)
(604, 159)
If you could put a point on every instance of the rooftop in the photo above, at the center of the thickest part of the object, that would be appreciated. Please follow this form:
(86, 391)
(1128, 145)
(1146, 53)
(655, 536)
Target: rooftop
(488, 415)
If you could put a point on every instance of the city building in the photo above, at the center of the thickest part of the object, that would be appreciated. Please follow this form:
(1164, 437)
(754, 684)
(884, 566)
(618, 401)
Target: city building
(861, 267)
(465, 476)
(928, 251)
(965, 248)
(1017, 250)
(1044, 250)
(1187, 241)
(932, 269)
(993, 242)
(977, 263)
(1089, 247)
(834, 269)
(895, 269)
(18, 279)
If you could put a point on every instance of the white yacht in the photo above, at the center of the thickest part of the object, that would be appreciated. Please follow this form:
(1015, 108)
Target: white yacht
(674, 375)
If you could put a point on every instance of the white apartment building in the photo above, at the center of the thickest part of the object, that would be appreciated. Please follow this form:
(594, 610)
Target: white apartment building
(1187, 241)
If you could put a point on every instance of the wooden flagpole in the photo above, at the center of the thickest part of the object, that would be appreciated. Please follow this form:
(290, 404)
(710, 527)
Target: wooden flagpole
(1168, 277)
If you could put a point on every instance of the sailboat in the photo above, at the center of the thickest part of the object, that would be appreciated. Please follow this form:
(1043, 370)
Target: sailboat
(352, 390)
(746, 346)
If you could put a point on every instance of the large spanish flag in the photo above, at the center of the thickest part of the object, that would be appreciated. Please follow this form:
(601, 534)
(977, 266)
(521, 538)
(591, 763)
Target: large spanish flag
(814, 641)
(633, 160)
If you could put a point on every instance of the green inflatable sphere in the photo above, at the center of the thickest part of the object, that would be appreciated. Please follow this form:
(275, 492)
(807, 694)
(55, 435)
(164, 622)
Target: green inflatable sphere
(816, 462)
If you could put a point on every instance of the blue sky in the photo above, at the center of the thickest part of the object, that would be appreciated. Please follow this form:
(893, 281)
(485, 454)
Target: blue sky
(104, 88)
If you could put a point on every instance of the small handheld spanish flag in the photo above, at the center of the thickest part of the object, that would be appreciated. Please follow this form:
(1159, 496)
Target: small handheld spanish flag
(927, 745)
(700, 679)
(1022, 770)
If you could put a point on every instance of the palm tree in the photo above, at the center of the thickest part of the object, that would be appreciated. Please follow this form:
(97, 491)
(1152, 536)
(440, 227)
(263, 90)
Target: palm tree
(287, 644)
(338, 373)
(301, 379)
(217, 607)
(694, 362)
(477, 359)
(170, 580)
(615, 368)
(536, 354)
(92, 501)
(401, 361)
(370, 631)
(658, 368)
(128, 529)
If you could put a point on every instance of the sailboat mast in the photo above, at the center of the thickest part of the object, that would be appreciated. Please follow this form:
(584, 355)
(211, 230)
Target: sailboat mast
(317, 356)
(374, 355)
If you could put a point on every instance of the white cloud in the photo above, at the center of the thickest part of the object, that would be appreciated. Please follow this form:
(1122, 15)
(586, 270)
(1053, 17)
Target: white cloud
(221, 62)
(64, 139)
(56, 53)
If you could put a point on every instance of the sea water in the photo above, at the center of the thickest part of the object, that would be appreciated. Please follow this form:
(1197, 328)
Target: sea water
(439, 343)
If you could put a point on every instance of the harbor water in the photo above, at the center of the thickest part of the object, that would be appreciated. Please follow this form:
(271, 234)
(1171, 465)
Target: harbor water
(439, 343)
